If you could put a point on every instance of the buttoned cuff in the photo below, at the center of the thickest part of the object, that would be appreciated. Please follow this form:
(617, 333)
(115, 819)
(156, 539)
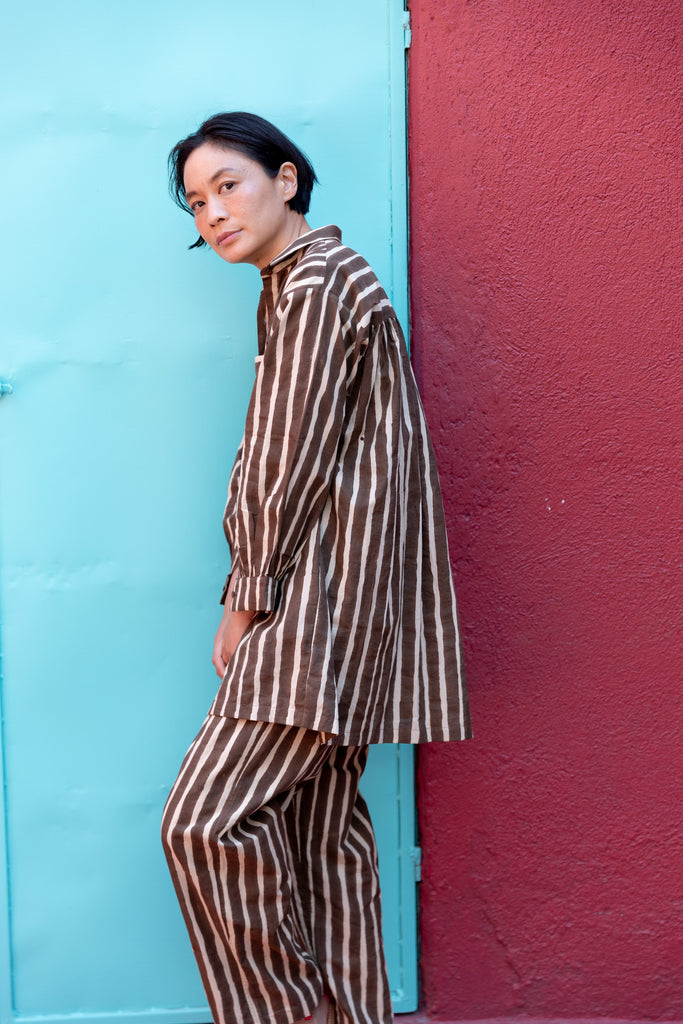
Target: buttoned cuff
(255, 594)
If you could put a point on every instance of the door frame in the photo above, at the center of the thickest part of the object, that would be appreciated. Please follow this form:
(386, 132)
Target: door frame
(6, 987)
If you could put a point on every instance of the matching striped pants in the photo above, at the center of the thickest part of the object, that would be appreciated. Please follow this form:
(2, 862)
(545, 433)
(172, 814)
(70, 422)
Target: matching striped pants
(273, 858)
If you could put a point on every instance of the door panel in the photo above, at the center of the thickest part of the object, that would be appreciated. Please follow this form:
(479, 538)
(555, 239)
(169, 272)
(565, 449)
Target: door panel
(131, 362)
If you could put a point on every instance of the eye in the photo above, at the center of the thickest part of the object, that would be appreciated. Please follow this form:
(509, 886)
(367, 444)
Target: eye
(196, 206)
(227, 185)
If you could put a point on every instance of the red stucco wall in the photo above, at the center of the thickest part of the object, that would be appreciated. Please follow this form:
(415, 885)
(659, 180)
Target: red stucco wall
(546, 263)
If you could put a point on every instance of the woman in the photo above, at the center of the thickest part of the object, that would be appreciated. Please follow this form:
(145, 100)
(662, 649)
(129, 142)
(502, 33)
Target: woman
(339, 627)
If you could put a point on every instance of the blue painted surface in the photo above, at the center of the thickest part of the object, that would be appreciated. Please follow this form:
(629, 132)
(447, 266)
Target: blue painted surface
(131, 363)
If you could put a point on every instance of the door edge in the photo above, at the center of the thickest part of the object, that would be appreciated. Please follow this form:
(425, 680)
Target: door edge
(6, 987)
(398, 163)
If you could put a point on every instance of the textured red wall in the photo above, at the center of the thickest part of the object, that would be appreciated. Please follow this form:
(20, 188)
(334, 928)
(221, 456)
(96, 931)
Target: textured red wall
(546, 163)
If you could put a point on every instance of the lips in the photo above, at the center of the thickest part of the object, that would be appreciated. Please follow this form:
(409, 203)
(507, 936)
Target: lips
(226, 237)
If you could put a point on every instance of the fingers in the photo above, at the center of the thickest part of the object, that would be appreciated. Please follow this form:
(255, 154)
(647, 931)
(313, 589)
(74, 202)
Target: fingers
(230, 632)
(218, 660)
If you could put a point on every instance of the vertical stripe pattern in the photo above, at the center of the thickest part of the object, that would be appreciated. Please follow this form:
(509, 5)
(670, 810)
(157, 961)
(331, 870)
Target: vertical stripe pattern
(273, 858)
(335, 521)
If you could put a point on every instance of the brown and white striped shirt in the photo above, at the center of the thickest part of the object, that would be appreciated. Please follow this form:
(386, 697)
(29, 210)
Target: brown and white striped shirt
(335, 521)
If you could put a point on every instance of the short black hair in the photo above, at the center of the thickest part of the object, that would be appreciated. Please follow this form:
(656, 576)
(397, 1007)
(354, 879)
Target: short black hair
(256, 138)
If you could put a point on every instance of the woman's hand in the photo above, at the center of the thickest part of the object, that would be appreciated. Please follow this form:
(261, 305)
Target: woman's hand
(229, 633)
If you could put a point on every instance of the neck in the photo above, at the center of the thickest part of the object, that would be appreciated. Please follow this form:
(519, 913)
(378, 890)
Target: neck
(295, 226)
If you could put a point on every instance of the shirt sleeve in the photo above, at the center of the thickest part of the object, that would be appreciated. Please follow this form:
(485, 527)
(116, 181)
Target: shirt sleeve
(293, 429)
(228, 515)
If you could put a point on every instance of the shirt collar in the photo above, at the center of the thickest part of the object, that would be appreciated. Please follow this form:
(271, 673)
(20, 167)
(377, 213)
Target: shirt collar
(329, 231)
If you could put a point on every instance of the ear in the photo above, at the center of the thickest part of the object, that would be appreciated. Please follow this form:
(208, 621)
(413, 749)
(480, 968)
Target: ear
(289, 181)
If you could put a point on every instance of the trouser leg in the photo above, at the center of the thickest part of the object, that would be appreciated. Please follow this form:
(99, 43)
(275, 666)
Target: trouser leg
(338, 894)
(226, 840)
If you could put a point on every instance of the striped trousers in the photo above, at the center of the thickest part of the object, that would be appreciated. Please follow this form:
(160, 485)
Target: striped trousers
(273, 858)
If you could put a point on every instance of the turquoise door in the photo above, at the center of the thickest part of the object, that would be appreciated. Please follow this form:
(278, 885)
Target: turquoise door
(130, 362)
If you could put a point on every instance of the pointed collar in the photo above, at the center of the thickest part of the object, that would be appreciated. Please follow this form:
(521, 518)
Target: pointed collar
(329, 231)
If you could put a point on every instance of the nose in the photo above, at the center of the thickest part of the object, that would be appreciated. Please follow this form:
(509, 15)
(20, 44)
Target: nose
(215, 211)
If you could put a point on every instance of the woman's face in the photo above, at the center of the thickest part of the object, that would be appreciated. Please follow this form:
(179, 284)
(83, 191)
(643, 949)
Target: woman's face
(238, 209)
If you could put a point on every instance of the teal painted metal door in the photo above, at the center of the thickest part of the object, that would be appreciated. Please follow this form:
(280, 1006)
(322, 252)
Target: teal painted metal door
(130, 363)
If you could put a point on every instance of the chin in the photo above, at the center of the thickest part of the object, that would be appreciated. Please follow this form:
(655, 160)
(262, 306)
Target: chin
(227, 256)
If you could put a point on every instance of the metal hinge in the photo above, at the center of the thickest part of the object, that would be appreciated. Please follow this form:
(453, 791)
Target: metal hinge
(407, 34)
(415, 854)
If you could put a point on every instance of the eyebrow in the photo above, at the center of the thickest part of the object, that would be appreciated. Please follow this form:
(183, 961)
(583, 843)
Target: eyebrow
(214, 177)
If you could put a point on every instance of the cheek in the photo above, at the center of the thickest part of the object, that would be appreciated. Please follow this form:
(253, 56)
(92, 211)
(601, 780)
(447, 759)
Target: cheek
(256, 200)
(200, 224)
